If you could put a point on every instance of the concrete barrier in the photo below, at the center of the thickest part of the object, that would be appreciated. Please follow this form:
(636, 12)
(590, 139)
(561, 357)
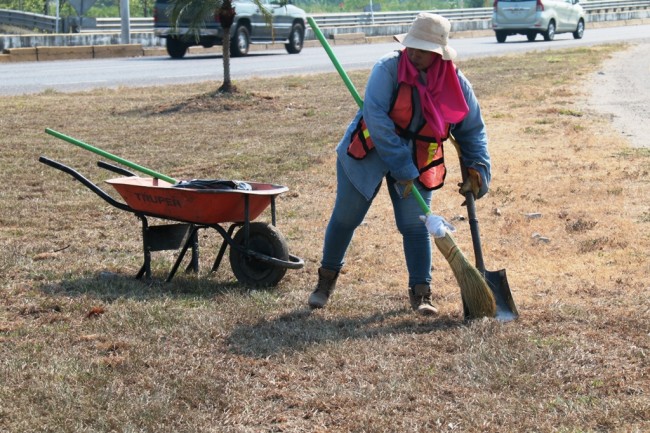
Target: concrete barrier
(81, 52)
(63, 53)
(146, 44)
(120, 50)
(21, 55)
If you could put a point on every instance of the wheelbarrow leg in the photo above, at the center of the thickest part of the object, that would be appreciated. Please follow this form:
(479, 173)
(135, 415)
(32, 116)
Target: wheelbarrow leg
(194, 263)
(192, 240)
(146, 266)
(224, 245)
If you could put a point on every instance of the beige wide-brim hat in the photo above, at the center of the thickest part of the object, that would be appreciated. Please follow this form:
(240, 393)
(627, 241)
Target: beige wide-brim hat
(429, 32)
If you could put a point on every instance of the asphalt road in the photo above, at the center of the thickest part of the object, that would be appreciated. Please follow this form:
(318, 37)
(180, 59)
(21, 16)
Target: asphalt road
(78, 75)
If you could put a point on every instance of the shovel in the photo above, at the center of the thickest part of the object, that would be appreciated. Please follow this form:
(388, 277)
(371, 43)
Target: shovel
(496, 280)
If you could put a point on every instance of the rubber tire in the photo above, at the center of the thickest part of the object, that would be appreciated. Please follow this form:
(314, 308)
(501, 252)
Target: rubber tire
(296, 39)
(241, 42)
(531, 36)
(580, 30)
(265, 239)
(501, 36)
(549, 34)
(176, 48)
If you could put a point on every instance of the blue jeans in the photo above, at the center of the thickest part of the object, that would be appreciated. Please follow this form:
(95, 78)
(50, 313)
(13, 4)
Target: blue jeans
(349, 211)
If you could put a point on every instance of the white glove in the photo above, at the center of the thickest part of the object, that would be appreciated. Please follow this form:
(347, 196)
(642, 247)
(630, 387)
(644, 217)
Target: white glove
(437, 225)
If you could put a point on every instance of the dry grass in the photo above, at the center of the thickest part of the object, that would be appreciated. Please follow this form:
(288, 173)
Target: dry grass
(85, 347)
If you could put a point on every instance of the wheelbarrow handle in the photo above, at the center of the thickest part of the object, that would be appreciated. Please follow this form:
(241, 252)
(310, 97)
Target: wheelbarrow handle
(87, 183)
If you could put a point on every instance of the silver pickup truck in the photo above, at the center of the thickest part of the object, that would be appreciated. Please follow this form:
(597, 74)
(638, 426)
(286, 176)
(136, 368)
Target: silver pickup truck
(287, 25)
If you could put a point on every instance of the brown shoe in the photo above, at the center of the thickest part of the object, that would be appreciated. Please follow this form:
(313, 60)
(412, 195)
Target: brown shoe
(325, 287)
(420, 297)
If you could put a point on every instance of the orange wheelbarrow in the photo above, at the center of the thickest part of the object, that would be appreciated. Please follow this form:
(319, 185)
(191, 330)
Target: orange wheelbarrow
(259, 255)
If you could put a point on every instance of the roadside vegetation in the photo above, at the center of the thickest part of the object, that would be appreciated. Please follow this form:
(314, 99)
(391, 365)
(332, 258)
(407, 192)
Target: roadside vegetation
(86, 347)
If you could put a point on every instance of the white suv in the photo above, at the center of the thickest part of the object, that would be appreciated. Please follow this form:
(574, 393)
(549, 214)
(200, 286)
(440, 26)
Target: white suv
(530, 17)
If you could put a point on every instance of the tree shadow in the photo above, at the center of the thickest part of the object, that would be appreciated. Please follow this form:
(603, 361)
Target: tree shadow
(210, 102)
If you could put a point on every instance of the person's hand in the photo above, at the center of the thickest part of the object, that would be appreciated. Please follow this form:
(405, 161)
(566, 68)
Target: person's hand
(437, 225)
(405, 187)
(472, 183)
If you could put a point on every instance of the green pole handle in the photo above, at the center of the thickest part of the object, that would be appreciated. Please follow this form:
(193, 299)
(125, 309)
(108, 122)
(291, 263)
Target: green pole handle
(115, 158)
(335, 61)
(420, 200)
(356, 97)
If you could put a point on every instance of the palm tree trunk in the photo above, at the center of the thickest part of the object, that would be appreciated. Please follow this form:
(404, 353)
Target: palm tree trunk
(226, 18)
(226, 87)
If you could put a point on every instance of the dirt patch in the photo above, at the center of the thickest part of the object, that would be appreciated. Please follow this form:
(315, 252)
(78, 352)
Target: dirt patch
(620, 90)
(214, 102)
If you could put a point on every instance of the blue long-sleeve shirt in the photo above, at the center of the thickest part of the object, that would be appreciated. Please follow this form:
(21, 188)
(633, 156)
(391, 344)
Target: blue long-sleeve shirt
(394, 154)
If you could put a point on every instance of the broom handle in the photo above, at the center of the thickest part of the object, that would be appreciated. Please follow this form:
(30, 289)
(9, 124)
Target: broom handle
(335, 61)
(420, 200)
(470, 202)
(357, 98)
(115, 158)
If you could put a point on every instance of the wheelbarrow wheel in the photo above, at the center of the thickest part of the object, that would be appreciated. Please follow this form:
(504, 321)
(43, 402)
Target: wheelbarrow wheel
(247, 262)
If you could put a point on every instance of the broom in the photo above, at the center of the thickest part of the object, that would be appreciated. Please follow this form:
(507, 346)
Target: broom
(478, 300)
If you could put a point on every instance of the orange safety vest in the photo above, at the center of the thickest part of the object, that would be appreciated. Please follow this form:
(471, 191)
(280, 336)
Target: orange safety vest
(428, 151)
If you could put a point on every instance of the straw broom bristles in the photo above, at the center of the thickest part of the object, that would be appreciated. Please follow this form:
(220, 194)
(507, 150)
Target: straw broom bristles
(475, 292)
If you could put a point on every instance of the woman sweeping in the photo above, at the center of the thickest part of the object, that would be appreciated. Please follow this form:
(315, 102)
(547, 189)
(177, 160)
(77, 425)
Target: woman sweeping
(415, 98)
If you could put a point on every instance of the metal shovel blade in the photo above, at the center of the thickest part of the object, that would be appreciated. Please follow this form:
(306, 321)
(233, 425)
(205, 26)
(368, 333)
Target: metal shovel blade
(497, 280)
(498, 283)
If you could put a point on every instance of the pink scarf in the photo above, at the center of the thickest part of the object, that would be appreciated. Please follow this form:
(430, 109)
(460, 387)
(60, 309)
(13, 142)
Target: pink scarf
(442, 99)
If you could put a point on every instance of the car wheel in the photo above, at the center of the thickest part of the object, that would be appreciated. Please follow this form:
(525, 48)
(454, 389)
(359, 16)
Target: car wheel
(240, 43)
(531, 36)
(176, 48)
(549, 34)
(580, 30)
(295, 39)
(501, 37)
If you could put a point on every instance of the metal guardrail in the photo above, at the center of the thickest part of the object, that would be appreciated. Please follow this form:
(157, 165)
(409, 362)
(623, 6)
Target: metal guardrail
(115, 24)
(388, 18)
(28, 20)
(48, 23)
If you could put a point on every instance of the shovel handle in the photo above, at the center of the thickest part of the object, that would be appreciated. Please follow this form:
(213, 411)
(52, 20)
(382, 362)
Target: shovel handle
(470, 202)
(473, 227)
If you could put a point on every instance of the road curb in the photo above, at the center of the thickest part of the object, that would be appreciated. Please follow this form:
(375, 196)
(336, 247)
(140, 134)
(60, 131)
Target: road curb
(37, 54)
(45, 53)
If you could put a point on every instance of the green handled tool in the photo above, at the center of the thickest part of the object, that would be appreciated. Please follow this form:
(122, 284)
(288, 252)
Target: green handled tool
(355, 94)
(110, 156)
(335, 61)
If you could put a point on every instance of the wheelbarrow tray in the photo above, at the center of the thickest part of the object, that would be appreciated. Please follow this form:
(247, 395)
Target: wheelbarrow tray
(199, 206)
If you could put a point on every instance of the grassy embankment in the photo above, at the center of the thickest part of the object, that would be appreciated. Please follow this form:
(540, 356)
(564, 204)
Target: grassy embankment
(85, 347)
